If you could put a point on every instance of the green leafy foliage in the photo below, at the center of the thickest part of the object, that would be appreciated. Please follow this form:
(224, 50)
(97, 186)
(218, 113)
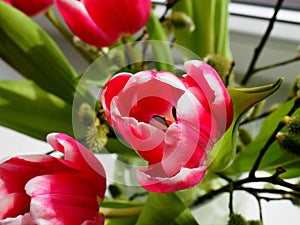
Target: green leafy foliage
(275, 156)
(121, 212)
(243, 99)
(121, 221)
(27, 108)
(28, 49)
(210, 35)
(162, 56)
(165, 209)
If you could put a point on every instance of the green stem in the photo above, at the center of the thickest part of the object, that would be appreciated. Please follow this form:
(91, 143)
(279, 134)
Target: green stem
(68, 36)
(162, 55)
(132, 54)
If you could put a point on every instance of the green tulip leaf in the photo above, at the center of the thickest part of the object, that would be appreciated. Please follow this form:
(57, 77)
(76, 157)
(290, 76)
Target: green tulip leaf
(121, 212)
(113, 62)
(27, 108)
(162, 56)
(275, 156)
(156, 211)
(211, 34)
(130, 220)
(30, 50)
(121, 208)
(243, 99)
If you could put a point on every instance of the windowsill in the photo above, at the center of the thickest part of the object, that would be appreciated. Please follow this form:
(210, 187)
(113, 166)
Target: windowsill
(253, 20)
(263, 12)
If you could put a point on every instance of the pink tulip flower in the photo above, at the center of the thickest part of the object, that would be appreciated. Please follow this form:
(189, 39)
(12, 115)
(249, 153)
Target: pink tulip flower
(171, 122)
(42, 189)
(100, 22)
(31, 7)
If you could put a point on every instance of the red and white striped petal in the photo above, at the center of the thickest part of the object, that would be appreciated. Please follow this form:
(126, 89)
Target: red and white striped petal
(62, 198)
(186, 178)
(82, 25)
(81, 159)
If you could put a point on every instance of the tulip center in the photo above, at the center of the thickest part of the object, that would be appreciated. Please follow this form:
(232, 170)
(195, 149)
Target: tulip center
(163, 123)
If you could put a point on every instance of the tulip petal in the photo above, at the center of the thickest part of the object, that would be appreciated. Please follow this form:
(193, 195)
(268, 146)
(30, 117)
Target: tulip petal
(81, 158)
(143, 101)
(14, 204)
(116, 17)
(188, 140)
(25, 219)
(186, 178)
(17, 171)
(143, 137)
(62, 198)
(167, 86)
(211, 84)
(32, 7)
(111, 89)
(82, 25)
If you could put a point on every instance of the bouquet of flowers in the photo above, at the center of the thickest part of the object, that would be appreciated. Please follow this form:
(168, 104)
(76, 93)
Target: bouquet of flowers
(156, 126)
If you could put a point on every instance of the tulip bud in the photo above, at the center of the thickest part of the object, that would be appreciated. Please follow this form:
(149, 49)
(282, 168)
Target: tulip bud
(289, 142)
(96, 137)
(101, 23)
(293, 126)
(244, 136)
(181, 20)
(221, 64)
(31, 7)
(236, 219)
(294, 91)
(239, 147)
(86, 115)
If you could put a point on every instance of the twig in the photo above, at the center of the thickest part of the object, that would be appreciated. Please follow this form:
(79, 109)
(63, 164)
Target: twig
(268, 191)
(260, 209)
(271, 139)
(231, 189)
(276, 64)
(227, 76)
(136, 195)
(258, 199)
(238, 185)
(229, 180)
(261, 116)
(169, 5)
(210, 195)
(50, 152)
(262, 43)
(263, 151)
